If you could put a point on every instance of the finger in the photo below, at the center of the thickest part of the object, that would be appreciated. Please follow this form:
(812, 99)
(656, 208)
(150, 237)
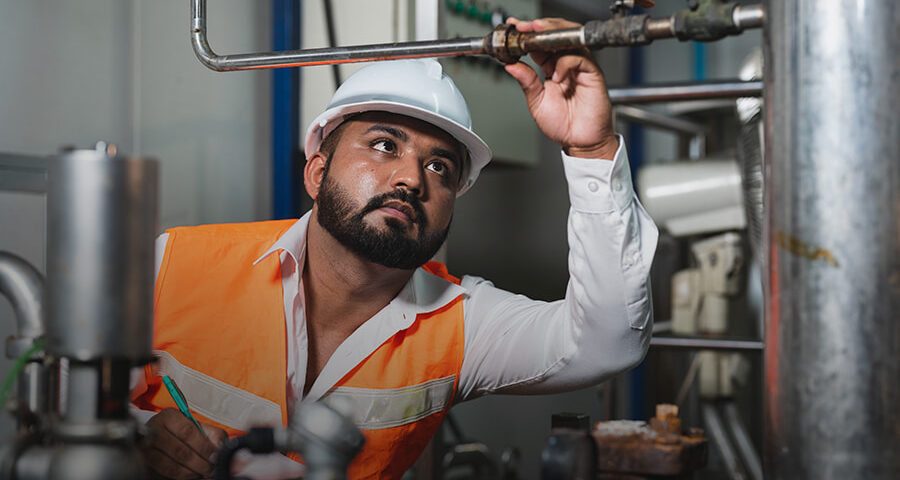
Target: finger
(164, 466)
(187, 432)
(546, 24)
(182, 453)
(571, 65)
(521, 25)
(531, 85)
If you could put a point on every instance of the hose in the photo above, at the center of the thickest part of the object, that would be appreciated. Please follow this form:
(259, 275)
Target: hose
(17, 369)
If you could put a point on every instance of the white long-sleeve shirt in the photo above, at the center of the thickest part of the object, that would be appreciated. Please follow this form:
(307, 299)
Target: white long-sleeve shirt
(513, 344)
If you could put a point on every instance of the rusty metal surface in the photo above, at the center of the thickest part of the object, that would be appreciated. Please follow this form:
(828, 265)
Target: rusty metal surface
(635, 448)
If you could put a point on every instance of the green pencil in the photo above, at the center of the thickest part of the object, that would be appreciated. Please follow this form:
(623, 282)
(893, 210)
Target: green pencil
(180, 401)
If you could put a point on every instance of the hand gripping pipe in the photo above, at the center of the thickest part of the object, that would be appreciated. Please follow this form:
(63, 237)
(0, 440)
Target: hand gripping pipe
(709, 20)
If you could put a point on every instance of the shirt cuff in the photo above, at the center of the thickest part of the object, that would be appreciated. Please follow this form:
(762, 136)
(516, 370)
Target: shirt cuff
(598, 185)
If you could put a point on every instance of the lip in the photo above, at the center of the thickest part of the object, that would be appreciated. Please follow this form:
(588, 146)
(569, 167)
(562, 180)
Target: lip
(398, 209)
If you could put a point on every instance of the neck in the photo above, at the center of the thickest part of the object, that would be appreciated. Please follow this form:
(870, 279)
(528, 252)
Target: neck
(343, 290)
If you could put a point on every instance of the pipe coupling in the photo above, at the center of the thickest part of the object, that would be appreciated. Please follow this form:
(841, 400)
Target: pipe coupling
(504, 43)
(707, 21)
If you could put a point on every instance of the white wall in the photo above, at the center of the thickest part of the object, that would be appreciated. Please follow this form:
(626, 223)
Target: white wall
(124, 72)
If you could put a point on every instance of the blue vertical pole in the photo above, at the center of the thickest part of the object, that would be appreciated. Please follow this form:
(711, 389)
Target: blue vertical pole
(638, 388)
(285, 111)
(699, 61)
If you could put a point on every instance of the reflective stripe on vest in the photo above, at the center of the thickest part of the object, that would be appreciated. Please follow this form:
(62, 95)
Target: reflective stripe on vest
(220, 330)
(376, 408)
(218, 401)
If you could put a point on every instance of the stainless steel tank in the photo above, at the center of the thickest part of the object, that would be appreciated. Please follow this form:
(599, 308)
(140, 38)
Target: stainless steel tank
(102, 222)
(833, 239)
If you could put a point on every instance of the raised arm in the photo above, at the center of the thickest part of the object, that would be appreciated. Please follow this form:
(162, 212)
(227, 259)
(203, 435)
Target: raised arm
(602, 327)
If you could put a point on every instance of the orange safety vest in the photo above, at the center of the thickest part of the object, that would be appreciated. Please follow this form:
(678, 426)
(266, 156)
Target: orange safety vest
(220, 321)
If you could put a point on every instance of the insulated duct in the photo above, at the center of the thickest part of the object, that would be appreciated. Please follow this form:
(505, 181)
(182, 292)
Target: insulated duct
(750, 153)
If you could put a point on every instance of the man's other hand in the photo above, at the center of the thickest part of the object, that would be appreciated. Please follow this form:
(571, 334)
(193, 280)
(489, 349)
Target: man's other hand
(175, 449)
(570, 105)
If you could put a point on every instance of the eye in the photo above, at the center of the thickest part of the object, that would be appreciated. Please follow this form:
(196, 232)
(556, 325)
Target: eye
(384, 145)
(439, 167)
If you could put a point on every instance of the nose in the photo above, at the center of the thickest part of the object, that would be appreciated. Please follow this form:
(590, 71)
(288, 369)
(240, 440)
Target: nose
(409, 174)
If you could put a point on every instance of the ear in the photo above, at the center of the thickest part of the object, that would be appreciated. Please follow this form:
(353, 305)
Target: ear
(313, 173)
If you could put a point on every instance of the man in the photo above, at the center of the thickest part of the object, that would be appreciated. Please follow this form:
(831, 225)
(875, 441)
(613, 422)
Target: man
(256, 320)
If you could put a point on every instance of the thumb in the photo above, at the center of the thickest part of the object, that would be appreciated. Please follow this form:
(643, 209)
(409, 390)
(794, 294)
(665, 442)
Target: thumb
(529, 81)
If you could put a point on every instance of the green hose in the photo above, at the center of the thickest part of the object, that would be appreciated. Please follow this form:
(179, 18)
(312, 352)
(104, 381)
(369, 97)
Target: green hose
(17, 370)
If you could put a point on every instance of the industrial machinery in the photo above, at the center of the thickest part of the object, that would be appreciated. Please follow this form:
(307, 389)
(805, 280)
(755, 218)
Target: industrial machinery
(74, 361)
(72, 402)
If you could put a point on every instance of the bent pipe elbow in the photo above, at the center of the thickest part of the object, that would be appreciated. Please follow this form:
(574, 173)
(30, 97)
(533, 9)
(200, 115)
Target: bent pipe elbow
(205, 54)
(24, 286)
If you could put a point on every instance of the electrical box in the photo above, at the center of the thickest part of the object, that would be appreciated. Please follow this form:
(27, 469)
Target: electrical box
(499, 113)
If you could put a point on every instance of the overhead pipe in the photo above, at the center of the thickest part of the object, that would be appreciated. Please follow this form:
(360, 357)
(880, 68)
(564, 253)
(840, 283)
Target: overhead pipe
(695, 131)
(685, 91)
(708, 20)
(701, 343)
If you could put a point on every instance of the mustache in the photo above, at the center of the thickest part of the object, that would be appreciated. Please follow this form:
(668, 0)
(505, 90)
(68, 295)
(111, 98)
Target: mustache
(402, 195)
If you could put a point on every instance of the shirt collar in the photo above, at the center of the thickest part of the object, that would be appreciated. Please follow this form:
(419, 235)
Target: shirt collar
(293, 241)
(422, 294)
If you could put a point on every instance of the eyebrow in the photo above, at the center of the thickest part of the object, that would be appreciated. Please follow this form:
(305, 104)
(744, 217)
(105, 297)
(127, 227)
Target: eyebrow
(394, 132)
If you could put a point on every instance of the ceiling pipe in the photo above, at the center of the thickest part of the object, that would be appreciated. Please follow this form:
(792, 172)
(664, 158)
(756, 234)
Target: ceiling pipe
(708, 20)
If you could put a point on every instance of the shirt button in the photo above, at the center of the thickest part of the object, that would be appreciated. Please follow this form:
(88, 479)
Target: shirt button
(593, 186)
(617, 185)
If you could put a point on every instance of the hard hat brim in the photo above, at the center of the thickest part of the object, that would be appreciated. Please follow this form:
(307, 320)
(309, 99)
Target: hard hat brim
(325, 123)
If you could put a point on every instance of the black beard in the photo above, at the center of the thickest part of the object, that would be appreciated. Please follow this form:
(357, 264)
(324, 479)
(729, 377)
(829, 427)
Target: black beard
(391, 248)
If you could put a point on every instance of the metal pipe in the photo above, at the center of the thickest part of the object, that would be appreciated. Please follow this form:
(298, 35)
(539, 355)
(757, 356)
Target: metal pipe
(321, 56)
(719, 438)
(23, 285)
(659, 120)
(742, 441)
(711, 21)
(694, 343)
(832, 239)
(672, 123)
(749, 16)
(685, 91)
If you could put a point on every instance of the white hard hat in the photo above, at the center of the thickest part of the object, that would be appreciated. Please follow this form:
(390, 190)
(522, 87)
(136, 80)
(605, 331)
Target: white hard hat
(416, 88)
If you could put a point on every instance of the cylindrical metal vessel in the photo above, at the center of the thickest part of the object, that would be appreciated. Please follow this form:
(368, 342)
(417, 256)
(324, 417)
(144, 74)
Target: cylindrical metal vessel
(102, 225)
(833, 239)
